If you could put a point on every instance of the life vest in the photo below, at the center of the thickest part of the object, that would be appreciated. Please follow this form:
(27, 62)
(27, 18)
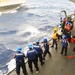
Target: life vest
(55, 35)
(68, 26)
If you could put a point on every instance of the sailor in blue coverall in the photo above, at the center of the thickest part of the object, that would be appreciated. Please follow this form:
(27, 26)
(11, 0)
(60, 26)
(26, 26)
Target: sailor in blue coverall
(46, 47)
(38, 48)
(31, 55)
(65, 45)
(20, 61)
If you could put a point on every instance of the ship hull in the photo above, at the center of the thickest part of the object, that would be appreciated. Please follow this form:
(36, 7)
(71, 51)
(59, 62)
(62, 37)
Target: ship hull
(10, 7)
(10, 2)
(6, 5)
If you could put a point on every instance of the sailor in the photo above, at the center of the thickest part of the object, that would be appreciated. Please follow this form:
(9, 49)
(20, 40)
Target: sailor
(19, 56)
(65, 44)
(64, 22)
(55, 38)
(68, 34)
(39, 50)
(60, 32)
(67, 30)
(46, 47)
(31, 55)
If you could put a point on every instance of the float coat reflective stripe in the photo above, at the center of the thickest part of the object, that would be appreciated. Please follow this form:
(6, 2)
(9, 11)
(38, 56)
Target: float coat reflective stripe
(55, 35)
(19, 56)
(46, 46)
(37, 48)
(64, 43)
(31, 54)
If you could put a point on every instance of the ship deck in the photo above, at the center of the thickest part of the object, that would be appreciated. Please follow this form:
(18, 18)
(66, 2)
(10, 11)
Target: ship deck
(57, 64)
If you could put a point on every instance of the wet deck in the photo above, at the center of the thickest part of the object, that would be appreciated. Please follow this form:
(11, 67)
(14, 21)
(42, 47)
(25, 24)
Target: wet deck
(57, 64)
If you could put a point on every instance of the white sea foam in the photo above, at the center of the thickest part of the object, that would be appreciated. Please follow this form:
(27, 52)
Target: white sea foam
(11, 65)
(29, 29)
(0, 13)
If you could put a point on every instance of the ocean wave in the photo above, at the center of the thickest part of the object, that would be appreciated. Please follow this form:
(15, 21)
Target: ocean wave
(46, 28)
(7, 33)
(27, 24)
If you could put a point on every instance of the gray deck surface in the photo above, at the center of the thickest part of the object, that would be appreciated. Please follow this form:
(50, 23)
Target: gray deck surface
(57, 64)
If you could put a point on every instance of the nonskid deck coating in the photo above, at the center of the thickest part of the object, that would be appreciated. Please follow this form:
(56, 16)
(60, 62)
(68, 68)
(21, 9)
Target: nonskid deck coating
(57, 64)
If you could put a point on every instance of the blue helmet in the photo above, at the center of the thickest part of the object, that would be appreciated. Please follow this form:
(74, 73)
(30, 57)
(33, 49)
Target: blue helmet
(64, 37)
(37, 40)
(30, 46)
(44, 39)
(19, 48)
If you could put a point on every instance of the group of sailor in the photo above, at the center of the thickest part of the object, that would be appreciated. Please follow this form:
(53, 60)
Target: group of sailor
(60, 34)
(35, 51)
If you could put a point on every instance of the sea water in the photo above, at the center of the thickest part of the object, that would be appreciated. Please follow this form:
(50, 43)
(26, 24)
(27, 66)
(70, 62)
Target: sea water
(34, 20)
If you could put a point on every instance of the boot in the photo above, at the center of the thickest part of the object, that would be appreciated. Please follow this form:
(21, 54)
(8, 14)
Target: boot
(50, 55)
(65, 54)
(61, 53)
(31, 70)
